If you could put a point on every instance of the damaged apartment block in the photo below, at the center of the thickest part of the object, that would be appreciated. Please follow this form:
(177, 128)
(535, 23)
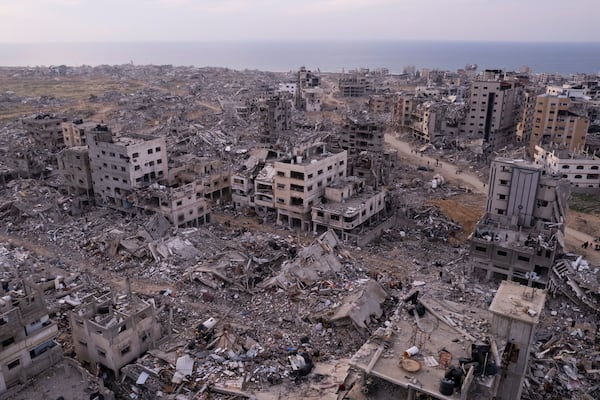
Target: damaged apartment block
(523, 226)
(27, 335)
(109, 330)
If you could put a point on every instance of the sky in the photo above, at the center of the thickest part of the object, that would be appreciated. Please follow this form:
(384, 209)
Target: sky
(43, 21)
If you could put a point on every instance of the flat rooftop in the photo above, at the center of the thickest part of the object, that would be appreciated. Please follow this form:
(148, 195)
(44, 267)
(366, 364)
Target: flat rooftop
(432, 336)
(518, 302)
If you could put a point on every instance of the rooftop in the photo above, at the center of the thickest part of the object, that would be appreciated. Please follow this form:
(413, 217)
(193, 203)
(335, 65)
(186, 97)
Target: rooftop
(519, 302)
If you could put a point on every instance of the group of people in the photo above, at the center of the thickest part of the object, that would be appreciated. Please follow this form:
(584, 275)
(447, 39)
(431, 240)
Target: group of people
(585, 245)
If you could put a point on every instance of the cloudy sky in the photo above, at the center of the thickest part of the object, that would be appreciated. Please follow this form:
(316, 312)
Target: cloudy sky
(35, 21)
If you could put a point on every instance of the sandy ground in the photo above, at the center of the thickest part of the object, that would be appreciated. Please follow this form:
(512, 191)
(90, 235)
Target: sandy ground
(580, 227)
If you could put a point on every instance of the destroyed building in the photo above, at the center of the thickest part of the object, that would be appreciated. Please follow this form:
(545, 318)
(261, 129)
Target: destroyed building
(426, 350)
(74, 165)
(348, 207)
(109, 331)
(308, 94)
(27, 335)
(212, 174)
(580, 169)
(363, 138)
(516, 313)
(522, 228)
(121, 164)
(45, 130)
(275, 115)
(356, 83)
(74, 132)
(361, 133)
(300, 181)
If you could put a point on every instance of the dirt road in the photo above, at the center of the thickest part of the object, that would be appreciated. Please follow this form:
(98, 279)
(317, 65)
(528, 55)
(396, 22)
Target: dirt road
(573, 238)
(449, 171)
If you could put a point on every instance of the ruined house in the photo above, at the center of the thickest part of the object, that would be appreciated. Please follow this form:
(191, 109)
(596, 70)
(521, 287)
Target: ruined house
(27, 335)
(74, 165)
(356, 83)
(74, 132)
(45, 130)
(348, 208)
(110, 331)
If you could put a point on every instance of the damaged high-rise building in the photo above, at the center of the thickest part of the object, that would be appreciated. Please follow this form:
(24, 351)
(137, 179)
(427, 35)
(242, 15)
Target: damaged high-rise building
(523, 226)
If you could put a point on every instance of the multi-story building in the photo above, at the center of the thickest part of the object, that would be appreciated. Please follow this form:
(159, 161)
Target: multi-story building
(524, 221)
(212, 174)
(382, 103)
(312, 99)
(515, 314)
(494, 110)
(349, 206)
(27, 335)
(183, 204)
(111, 331)
(301, 180)
(356, 84)
(360, 133)
(582, 170)
(306, 98)
(45, 130)
(275, 115)
(556, 123)
(525, 125)
(121, 164)
(74, 165)
(74, 132)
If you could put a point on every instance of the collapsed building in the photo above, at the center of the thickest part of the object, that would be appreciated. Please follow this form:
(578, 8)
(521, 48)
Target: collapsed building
(580, 169)
(522, 229)
(74, 132)
(426, 352)
(275, 116)
(109, 330)
(356, 83)
(45, 130)
(27, 334)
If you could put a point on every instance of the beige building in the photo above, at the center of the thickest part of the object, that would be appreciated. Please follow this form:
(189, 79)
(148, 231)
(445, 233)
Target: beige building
(382, 103)
(27, 335)
(74, 165)
(555, 123)
(580, 169)
(348, 207)
(523, 225)
(121, 164)
(494, 111)
(108, 333)
(212, 174)
(300, 181)
(45, 130)
(515, 313)
(525, 125)
(74, 132)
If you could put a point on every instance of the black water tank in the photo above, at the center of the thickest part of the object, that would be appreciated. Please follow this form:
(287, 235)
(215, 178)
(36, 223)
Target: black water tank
(447, 387)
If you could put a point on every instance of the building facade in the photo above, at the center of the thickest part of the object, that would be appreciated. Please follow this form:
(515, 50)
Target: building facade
(521, 230)
(27, 335)
(108, 334)
(301, 180)
(124, 163)
(556, 124)
(580, 169)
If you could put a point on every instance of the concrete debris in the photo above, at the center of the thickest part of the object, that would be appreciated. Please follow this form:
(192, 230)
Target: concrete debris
(194, 233)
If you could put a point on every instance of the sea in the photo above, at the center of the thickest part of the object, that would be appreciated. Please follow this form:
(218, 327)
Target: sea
(326, 56)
